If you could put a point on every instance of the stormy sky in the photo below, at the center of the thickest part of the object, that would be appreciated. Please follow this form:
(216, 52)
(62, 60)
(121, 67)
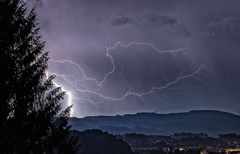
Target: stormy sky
(127, 56)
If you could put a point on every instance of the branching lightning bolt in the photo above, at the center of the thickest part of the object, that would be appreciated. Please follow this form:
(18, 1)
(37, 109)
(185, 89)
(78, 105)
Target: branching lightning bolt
(108, 54)
(86, 93)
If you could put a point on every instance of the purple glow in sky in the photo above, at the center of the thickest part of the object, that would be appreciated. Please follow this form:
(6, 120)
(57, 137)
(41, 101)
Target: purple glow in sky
(115, 57)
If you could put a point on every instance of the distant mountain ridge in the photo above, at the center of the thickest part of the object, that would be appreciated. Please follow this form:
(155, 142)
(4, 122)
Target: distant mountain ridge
(207, 121)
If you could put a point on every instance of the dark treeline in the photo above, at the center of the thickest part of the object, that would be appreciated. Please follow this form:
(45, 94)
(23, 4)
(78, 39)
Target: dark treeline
(99, 142)
(31, 117)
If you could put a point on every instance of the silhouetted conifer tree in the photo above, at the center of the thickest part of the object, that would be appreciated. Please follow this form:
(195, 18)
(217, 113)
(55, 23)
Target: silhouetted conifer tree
(31, 118)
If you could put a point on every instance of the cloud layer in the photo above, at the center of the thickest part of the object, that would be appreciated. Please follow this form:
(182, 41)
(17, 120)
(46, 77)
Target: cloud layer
(165, 46)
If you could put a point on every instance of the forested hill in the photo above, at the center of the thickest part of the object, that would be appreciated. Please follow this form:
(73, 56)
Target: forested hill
(207, 121)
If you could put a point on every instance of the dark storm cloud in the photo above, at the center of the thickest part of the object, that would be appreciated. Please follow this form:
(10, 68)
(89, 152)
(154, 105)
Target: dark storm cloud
(123, 20)
(173, 25)
(208, 31)
(160, 20)
(230, 25)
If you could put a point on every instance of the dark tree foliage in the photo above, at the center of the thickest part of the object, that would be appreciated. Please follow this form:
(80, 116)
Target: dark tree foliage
(98, 142)
(31, 118)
